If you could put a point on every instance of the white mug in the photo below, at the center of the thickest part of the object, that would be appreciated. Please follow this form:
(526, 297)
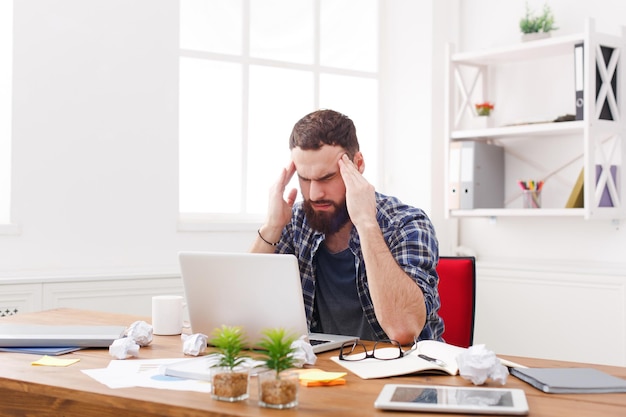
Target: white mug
(167, 315)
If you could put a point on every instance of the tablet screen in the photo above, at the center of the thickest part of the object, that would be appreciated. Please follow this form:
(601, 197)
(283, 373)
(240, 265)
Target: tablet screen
(452, 399)
(429, 395)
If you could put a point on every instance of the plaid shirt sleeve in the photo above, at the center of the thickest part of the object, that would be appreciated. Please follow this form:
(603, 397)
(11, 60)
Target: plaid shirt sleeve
(411, 239)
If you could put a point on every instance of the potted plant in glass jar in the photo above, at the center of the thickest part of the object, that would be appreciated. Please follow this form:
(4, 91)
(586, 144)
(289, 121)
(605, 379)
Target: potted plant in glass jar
(278, 388)
(484, 109)
(229, 380)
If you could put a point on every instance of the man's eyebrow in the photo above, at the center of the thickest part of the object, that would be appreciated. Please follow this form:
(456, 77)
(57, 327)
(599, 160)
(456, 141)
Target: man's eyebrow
(322, 178)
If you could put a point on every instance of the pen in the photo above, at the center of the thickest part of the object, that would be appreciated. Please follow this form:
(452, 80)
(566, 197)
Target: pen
(433, 360)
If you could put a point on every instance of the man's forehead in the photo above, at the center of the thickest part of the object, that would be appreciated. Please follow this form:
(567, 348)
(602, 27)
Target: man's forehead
(332, 152)
(317, 163)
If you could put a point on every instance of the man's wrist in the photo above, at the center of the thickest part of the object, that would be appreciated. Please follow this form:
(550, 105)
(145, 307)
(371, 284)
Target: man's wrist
(267, 241)
(365, 227)
(269, 235)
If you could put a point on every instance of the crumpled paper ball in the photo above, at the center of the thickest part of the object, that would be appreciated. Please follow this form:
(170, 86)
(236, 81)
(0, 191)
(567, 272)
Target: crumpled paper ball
(140, 332)
(124, 348)
(303, 353)
(194, 344)
(477, 364)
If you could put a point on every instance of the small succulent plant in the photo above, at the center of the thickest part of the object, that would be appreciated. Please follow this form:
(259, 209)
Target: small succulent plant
(277, 351)
(229, 341)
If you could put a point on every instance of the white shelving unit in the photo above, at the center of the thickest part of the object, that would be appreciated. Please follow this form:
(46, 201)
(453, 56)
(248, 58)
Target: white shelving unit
(599, 141)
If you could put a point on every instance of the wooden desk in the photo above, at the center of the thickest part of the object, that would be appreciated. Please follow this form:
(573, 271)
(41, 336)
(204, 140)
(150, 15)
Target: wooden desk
(33, 390)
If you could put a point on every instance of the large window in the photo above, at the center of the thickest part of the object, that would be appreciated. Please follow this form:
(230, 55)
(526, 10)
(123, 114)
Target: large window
(6, 52)
(249, 70)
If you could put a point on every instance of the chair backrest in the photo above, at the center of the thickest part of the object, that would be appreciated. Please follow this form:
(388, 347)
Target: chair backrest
(457, 291)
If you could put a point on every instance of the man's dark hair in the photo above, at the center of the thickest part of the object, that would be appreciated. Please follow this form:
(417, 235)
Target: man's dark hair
(324, 127)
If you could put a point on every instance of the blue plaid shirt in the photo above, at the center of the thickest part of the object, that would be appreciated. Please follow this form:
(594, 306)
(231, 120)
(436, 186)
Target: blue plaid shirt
(411, 239)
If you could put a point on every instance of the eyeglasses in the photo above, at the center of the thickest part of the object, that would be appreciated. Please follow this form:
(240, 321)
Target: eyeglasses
(384, 350)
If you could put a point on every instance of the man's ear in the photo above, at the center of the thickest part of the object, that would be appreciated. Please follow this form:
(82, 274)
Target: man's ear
(359, 161)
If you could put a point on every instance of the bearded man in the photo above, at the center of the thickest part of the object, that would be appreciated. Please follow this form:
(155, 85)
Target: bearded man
(367, 261)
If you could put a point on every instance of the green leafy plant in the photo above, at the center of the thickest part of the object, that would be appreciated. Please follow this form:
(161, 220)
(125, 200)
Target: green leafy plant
(532, 23)
(277, 351)
(229, 341)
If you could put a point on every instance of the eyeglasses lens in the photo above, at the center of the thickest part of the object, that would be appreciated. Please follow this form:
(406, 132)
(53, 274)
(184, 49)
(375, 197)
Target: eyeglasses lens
(353, 352)
(387, 350)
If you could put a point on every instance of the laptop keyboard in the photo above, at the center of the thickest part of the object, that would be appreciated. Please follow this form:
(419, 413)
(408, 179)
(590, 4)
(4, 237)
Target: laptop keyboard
(314, 342)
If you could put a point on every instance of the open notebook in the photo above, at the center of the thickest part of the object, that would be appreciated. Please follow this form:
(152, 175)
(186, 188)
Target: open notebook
(255, 291)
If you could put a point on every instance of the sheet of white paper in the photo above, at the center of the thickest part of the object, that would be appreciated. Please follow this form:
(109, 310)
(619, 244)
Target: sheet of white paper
(145, 373)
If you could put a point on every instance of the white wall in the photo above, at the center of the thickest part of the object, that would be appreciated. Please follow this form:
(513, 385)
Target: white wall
(412, 103)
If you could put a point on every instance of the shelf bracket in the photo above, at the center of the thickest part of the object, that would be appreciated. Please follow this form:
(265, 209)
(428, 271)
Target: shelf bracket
(466, 94)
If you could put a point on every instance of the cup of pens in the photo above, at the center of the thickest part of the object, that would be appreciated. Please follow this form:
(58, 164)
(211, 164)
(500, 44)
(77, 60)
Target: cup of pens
(531, 193)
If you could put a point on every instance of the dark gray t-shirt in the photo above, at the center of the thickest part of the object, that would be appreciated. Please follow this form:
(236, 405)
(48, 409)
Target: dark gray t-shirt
(337, 301)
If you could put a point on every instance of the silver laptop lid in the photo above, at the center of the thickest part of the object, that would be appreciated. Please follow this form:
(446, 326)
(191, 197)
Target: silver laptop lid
(255, 291)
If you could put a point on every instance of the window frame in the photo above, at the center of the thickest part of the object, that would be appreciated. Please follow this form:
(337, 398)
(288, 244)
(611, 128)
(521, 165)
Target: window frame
(194, 222)
(7, 226)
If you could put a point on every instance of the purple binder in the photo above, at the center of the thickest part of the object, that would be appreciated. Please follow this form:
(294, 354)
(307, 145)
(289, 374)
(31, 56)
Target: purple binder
(605, 199)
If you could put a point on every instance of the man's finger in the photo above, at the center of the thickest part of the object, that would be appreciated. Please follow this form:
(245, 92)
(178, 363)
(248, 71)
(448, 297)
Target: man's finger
(291, 198)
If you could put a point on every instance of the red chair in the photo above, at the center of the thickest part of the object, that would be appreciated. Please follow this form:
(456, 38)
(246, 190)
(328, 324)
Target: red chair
(457, 291)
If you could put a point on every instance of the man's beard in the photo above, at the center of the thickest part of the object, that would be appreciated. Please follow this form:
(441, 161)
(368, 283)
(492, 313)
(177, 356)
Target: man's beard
(324, 221)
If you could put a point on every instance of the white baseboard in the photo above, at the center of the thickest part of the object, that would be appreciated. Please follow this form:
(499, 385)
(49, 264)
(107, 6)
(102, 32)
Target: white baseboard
(128, 294)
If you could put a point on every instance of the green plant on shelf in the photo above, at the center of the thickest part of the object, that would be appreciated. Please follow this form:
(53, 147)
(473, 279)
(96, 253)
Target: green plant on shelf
(532, 23)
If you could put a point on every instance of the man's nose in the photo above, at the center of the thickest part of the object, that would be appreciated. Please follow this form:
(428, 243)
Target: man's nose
(316, 192)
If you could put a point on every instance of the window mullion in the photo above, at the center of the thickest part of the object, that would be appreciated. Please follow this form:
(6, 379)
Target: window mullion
(245, 102)
(317, 27)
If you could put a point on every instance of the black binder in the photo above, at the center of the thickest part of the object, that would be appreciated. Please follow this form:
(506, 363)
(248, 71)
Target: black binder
(579, 78)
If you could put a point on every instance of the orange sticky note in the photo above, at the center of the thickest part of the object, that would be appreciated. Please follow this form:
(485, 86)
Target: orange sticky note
(308, 383)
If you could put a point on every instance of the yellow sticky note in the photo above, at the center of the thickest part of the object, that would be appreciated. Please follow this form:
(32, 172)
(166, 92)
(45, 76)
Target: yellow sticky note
(320, 376)
(52, 361)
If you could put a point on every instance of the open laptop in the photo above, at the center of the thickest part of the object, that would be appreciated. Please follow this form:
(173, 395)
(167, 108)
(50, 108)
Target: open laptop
(252, 290)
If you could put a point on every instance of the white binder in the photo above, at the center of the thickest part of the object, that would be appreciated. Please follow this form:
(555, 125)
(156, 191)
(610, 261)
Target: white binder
(454, 186)
(482, 176)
